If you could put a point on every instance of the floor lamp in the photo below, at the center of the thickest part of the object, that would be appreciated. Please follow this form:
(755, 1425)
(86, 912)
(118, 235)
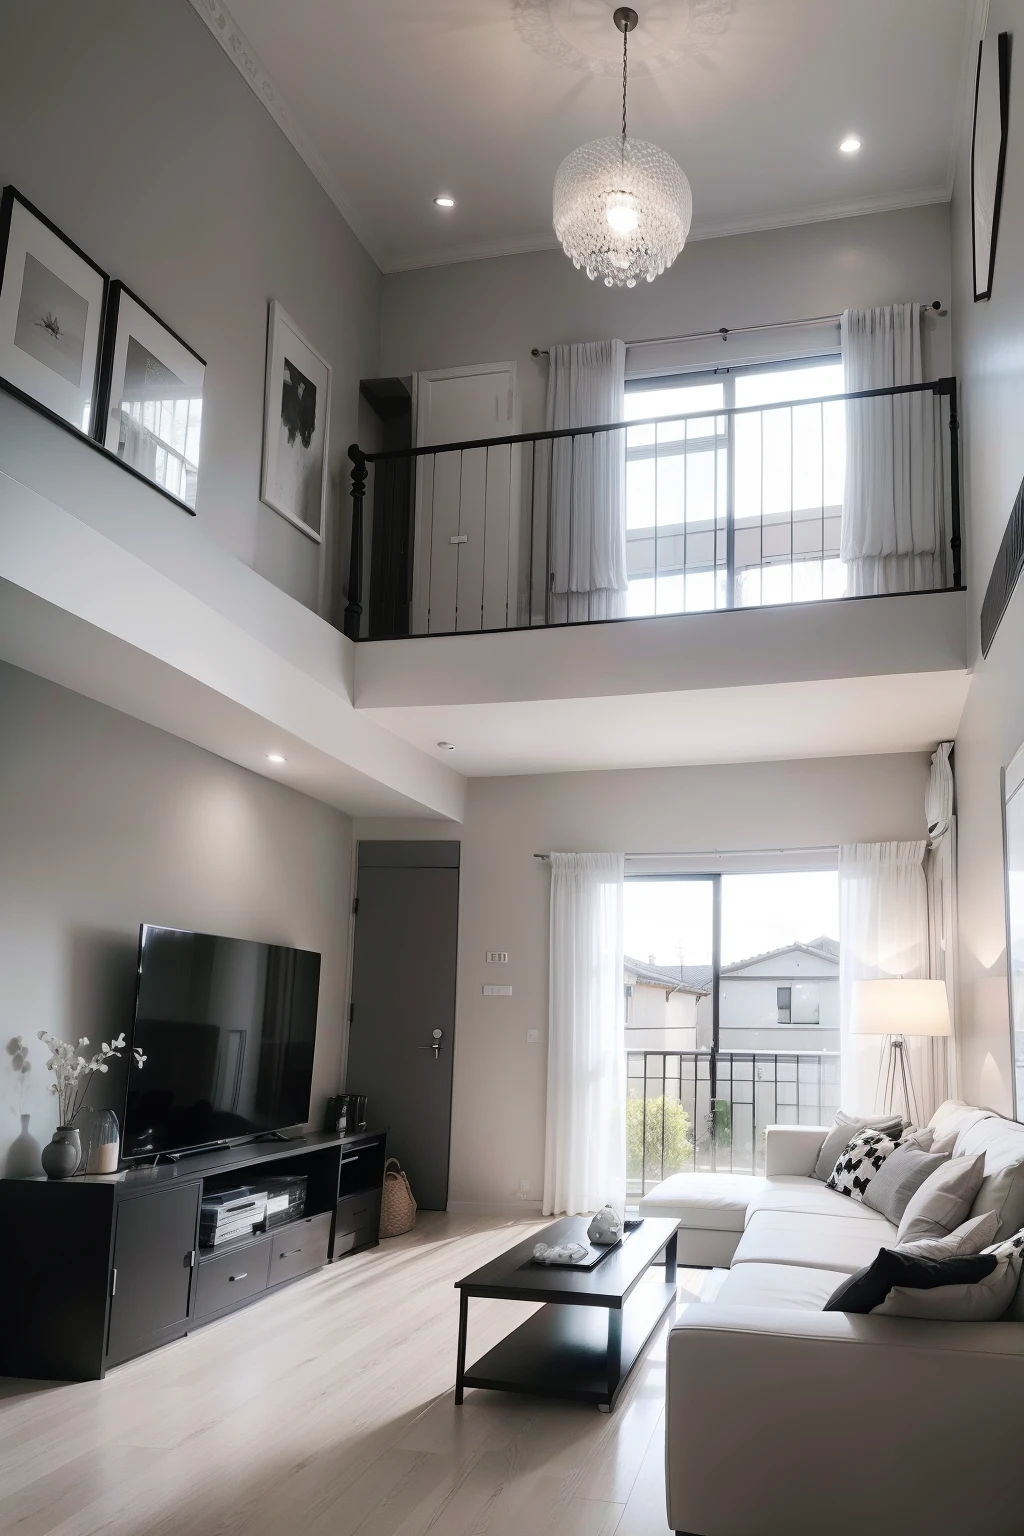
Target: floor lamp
(895, 1007)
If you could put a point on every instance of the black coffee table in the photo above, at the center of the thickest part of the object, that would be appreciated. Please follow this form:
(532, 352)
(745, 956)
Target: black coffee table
(570, 1349)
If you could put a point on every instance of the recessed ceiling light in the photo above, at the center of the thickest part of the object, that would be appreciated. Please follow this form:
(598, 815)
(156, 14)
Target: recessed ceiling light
(445, 201)
(850, 144)
(447, 746)
(275, 757)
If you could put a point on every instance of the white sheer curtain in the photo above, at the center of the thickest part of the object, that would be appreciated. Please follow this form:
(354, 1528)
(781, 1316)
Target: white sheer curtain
(936, 1067)
(585, 1150)
(587, 509)
(893, 529)
(883, 931)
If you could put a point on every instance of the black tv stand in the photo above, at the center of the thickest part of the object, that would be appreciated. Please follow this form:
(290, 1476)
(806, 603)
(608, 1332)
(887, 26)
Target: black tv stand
(268, 1136)
(99, 1269)
(176, 1157)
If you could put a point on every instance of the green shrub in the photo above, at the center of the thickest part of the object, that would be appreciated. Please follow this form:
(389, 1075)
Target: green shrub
(678, 1146)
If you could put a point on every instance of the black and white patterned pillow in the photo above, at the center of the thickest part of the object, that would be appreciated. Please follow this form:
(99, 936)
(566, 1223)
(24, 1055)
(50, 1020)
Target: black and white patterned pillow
(860, 1160)
(1009, 1245)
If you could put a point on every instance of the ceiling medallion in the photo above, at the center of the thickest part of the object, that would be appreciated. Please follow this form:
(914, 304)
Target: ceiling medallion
(622, 207)
(576, 33)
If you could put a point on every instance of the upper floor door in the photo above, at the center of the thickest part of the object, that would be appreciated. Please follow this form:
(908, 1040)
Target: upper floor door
(466, 541)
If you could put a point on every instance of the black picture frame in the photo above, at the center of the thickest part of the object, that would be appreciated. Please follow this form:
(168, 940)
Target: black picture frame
(9, 198)
(1003, 85)
(116, 308)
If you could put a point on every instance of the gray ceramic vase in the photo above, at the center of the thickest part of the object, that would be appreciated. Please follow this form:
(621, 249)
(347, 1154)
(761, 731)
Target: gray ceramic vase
(63, 1154)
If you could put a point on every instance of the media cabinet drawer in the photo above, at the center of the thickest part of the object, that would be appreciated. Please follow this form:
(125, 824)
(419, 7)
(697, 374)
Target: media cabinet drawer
(358, 1211)
(351, 1242)
(299, 1247)
(232, 1278)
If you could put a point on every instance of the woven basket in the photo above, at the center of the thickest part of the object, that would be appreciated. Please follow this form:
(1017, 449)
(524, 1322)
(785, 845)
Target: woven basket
(397, 1206)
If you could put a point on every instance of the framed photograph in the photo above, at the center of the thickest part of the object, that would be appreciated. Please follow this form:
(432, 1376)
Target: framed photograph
(297, 413)
(51, 314)
(1013, 833)
(151, 397)
(988, 156)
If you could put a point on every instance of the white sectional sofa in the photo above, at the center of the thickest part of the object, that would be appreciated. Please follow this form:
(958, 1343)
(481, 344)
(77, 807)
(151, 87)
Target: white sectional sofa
(784, 1420)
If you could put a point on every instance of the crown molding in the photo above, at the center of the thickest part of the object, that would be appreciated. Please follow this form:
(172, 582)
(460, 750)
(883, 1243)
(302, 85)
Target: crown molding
(243, 55)
(823, 213)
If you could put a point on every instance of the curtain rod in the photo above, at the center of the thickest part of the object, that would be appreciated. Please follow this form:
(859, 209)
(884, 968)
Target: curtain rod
(718, 853)
(725, 331)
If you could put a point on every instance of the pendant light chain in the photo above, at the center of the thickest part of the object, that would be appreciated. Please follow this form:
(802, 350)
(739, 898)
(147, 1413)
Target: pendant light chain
(625, 45)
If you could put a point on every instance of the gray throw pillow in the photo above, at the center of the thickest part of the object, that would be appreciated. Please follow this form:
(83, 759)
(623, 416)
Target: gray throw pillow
(900, 1176)
(943, 1201)
(973, 1237)
(845, 1127)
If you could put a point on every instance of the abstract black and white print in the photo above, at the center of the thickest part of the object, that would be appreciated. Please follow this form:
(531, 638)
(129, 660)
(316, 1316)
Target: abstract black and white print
(51, 322)
(295, 440)
(859, 1161)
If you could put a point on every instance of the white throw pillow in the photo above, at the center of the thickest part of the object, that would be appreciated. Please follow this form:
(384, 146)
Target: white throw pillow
(973, 1237)
(861, 1159)
(984, 1301)
(943, 1201)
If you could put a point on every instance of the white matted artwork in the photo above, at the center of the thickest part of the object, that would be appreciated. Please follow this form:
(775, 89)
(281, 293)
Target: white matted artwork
(152, 396)
(295, 428)
(51, 313)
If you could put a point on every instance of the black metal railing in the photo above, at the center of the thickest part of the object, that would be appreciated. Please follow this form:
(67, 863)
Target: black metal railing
(729, 508)
(706, 1111)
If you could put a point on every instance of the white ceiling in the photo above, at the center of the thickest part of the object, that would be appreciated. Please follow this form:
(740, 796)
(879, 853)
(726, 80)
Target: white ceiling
(834, 717)
(393, 101)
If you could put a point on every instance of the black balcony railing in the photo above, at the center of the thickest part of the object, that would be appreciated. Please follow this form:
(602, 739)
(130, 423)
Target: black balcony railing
(702, 1111)
(731, 508)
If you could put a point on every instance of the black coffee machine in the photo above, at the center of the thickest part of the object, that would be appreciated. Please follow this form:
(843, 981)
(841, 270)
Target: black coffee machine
(346, 1113)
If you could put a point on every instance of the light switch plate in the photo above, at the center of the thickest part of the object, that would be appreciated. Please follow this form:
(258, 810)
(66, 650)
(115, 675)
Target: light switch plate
(497, 991)
(497, 957)
(533, 1037)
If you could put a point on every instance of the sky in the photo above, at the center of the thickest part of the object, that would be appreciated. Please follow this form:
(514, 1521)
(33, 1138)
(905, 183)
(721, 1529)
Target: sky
(671, 919)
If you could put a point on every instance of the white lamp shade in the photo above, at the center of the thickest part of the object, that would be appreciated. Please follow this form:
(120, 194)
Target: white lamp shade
(895, 1006)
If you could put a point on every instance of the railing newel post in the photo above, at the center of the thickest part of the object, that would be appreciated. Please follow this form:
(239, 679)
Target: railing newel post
(354, 606)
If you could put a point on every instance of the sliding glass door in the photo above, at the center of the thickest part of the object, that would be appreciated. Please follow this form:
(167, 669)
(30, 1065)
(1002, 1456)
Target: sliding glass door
(731, 1008)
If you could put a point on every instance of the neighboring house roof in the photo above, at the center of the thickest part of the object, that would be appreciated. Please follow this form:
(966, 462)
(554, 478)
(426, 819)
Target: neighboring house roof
(697, 978)
(822, 948)
(681, 978)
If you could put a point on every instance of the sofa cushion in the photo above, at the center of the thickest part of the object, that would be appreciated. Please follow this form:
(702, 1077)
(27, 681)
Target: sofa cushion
(840, 1242)
(709, 1201)
(899, 1177)
(838, 1137)
(982, 1301)
(1002, 1189)
(790, 1286)
(973, 1237)
(869, 1288)
(792, 1193)
(944, 1201)
(953, 1116)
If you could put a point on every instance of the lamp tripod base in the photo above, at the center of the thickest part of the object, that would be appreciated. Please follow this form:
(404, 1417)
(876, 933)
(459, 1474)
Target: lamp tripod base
(899, 1078)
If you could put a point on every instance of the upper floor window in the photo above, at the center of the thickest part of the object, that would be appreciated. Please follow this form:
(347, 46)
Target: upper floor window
(735, 510)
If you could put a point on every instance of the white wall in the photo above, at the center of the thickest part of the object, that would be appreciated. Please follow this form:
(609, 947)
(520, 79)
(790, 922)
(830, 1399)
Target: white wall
(106, 823)
(497, 310)
(128, 126)
(498, 1110)
(989, 341)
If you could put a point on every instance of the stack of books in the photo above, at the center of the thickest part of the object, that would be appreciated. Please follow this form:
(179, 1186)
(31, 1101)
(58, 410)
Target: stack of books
(230, 1214)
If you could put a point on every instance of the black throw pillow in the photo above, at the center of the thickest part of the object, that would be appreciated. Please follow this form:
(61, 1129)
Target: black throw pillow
(869, 1287)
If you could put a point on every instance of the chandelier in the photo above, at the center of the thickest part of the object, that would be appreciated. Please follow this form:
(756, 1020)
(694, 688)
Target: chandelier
(622, 207)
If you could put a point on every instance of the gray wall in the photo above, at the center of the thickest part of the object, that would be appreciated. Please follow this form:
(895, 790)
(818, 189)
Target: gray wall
(496, 310)
(106, 823)
(989, 341)
(127, 125)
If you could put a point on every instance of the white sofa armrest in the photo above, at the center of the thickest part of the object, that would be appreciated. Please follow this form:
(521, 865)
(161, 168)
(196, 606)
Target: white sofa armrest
(787, 1423)
(792, 1149)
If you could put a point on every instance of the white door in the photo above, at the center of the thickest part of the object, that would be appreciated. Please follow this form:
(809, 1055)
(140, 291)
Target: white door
(466, 545)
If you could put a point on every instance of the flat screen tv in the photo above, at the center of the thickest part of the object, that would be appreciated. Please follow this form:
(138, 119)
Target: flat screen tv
(227, 1027)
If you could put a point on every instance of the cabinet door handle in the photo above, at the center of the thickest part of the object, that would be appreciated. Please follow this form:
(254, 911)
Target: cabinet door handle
(353, 1159)
(242, 1276)
(288, 1253)
(113, 1283)
(192, 1259)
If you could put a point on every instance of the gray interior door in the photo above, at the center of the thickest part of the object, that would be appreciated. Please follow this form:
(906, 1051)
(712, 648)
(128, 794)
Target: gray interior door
(402, 1031)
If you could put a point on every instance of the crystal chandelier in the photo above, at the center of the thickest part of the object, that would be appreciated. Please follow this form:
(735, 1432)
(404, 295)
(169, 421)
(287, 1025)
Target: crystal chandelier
(622, 207)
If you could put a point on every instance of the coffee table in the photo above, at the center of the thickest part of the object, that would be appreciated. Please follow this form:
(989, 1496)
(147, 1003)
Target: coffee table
(593, 1326)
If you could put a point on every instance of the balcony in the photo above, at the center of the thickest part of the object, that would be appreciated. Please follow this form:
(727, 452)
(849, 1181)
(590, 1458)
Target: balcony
(724, 509)
(706, 1111)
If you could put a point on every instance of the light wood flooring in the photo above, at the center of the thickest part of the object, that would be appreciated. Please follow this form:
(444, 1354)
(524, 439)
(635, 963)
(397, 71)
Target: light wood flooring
(328, 1410)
